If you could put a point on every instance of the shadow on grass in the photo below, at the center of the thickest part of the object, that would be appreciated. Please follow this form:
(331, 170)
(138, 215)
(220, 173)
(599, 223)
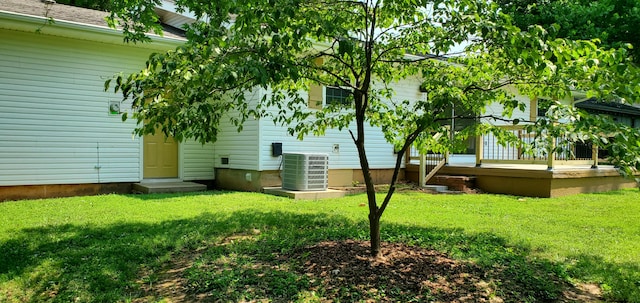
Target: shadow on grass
(84, 263)
(163, 196)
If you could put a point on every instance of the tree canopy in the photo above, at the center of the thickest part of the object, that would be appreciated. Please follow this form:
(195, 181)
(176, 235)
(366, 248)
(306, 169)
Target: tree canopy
(614, 22)
(465, 52)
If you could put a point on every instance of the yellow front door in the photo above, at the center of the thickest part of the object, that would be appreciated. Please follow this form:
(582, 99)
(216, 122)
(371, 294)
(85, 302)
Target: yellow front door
(160, 156)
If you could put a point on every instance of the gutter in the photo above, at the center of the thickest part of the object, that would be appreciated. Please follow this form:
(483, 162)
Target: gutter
(69, 29)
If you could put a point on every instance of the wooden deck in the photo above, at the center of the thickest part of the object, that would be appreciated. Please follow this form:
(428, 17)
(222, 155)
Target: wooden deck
(533, 180)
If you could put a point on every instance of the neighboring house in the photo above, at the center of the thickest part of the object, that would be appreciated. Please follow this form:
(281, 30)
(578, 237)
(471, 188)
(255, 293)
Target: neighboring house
(626, 114)
(619, 112)
(60, 133)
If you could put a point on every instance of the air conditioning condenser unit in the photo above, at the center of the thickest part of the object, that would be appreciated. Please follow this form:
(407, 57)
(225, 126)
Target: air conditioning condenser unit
(305, 171)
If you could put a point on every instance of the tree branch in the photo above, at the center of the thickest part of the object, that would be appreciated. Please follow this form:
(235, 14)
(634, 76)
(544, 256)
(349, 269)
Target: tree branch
(392, 187)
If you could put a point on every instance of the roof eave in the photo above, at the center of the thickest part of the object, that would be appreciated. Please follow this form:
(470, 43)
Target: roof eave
(69, 29)
(610, 108)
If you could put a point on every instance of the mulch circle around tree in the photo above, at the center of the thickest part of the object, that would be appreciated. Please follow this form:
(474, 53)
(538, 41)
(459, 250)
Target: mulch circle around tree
(401, 273)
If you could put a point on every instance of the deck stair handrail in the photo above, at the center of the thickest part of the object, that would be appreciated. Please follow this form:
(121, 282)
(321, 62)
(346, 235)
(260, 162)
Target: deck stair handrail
(428, 170)
(430, 162)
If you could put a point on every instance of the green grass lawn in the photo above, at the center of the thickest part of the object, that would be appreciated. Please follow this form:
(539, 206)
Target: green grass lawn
(104, 248)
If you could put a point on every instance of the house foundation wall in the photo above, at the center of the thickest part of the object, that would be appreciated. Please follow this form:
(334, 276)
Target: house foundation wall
(379, 176)
(563, 187)
(21, 192)
(529, 187)
(252, 180)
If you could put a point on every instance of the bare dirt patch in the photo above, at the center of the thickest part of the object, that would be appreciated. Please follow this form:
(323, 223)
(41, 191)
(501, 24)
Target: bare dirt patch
(170, 285)
(588, 293)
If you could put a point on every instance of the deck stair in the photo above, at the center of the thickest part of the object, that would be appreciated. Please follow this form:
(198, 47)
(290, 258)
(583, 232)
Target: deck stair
(167, 186)
(455, 183)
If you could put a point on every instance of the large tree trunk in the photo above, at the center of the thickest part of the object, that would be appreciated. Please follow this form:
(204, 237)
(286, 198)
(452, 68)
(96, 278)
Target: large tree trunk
(374, 216)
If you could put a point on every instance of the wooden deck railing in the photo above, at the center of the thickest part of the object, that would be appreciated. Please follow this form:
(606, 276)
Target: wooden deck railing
(556, 151)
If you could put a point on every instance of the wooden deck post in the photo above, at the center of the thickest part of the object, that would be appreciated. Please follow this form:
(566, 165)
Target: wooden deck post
(551, 155)
(423, 170)
(594, 155)
(519, 156)
(479, 150)
(407, 156)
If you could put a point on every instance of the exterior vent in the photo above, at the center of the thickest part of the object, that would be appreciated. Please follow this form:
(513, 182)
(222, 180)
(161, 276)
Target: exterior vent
(305, 171)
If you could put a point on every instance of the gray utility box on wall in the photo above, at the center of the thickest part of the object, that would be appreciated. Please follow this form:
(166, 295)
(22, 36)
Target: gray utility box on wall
(305, 171)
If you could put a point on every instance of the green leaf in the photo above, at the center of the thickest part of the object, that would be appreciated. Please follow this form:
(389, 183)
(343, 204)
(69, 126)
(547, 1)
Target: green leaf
(106, 84)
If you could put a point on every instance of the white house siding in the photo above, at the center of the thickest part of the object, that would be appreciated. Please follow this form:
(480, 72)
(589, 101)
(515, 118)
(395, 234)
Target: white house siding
(239, 147)
(496, 109)
(197, 160)
(54, 124)
(379, 151)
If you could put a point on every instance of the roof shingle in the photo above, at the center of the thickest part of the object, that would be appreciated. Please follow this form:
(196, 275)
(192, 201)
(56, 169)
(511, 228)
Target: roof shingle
(68, 13)
(57, 11)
